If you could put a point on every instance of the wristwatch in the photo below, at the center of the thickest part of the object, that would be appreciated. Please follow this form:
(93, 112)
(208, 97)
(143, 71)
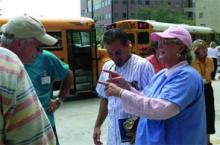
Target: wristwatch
(59, 100)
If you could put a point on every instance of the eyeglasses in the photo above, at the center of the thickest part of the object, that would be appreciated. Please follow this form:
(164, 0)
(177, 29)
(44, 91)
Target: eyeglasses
(169, 41)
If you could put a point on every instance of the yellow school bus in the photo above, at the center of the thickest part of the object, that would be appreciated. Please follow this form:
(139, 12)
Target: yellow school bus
(77, 47)
(139, 32)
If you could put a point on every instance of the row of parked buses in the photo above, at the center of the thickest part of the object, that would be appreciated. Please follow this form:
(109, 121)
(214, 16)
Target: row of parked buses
(139, 32)
(77, 45)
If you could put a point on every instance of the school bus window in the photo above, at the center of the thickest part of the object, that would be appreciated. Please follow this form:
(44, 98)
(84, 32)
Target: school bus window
(131, 38)
(76, 38)
(81, 50)
(81, 38)
(143, 37)
(85, 38)
(58, 45)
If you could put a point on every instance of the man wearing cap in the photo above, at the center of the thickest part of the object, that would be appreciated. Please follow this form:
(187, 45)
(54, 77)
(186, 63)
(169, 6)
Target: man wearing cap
(24, 35)
(22, 119)
(172, 106)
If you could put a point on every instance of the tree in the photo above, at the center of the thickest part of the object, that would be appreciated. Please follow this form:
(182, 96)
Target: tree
(142, 13)
(99, 35)
(162, 14)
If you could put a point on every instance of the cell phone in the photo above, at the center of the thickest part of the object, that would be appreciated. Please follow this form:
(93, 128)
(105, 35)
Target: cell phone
(112, 74)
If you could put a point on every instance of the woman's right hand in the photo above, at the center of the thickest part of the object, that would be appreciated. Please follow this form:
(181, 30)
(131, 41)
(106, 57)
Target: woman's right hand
(117, 79)
(112, 89)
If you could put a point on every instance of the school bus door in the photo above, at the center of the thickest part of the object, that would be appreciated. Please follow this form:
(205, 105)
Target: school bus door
(82, 60)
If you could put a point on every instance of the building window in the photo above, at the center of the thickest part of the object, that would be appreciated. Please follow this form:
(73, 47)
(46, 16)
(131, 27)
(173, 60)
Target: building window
(106, 3)
(89, 9)
(140, 2)
(115, 1)
(200, 15)
(190, 3)
(98, 6)
(147, 3)
(124, 15)
(124, 2)
(109, 16)
(115, 15)
(190, 15)
(102, 4)
(132, 1)
(178, 2)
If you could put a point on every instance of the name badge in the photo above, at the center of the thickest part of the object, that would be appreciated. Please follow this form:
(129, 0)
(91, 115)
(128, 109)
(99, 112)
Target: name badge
(45, 80)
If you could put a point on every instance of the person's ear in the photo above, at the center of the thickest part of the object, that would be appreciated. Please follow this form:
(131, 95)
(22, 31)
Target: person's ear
(182, 48)
(128, 43)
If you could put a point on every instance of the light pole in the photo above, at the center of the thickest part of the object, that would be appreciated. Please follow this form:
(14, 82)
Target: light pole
(92, 11)
(112, 11)
(127, 10)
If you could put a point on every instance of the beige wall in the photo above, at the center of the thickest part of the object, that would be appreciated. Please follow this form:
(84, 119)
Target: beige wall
(207, 13)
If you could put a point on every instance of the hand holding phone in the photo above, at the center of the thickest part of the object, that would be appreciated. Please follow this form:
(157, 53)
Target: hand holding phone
(112, 74)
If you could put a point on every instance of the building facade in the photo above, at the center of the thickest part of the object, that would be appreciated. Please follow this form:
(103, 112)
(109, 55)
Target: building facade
(108, 11)
(207, 13)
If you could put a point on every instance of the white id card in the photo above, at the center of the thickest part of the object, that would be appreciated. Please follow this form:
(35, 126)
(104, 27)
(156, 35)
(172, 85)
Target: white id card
(45, 80)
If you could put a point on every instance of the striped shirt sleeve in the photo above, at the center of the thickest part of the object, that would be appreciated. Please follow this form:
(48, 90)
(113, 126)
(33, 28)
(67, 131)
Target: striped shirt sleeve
(22, 119)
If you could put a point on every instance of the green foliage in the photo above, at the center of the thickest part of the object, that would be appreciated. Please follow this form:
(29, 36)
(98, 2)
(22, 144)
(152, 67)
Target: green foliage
(162, 14)
(99, 35)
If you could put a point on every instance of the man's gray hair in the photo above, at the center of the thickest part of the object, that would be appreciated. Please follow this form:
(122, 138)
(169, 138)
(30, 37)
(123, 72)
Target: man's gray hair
(6, 40)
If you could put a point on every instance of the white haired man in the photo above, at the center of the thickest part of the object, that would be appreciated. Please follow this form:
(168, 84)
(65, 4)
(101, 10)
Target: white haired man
(24, 35)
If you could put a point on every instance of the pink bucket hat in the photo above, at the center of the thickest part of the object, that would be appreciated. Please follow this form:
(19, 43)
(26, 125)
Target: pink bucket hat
(174, 32)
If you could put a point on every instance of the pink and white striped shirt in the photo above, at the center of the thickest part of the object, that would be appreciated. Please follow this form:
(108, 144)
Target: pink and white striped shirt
(22, 119)
(152, 108)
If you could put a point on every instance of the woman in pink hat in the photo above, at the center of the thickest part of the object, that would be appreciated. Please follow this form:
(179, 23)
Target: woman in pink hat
(171, 107)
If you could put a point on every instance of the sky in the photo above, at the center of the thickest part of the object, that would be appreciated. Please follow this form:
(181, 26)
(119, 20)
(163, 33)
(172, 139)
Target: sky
(40, 8)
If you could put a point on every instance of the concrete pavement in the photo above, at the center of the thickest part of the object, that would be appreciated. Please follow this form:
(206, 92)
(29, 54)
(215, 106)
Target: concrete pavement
(216, 137)
(75, 120)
